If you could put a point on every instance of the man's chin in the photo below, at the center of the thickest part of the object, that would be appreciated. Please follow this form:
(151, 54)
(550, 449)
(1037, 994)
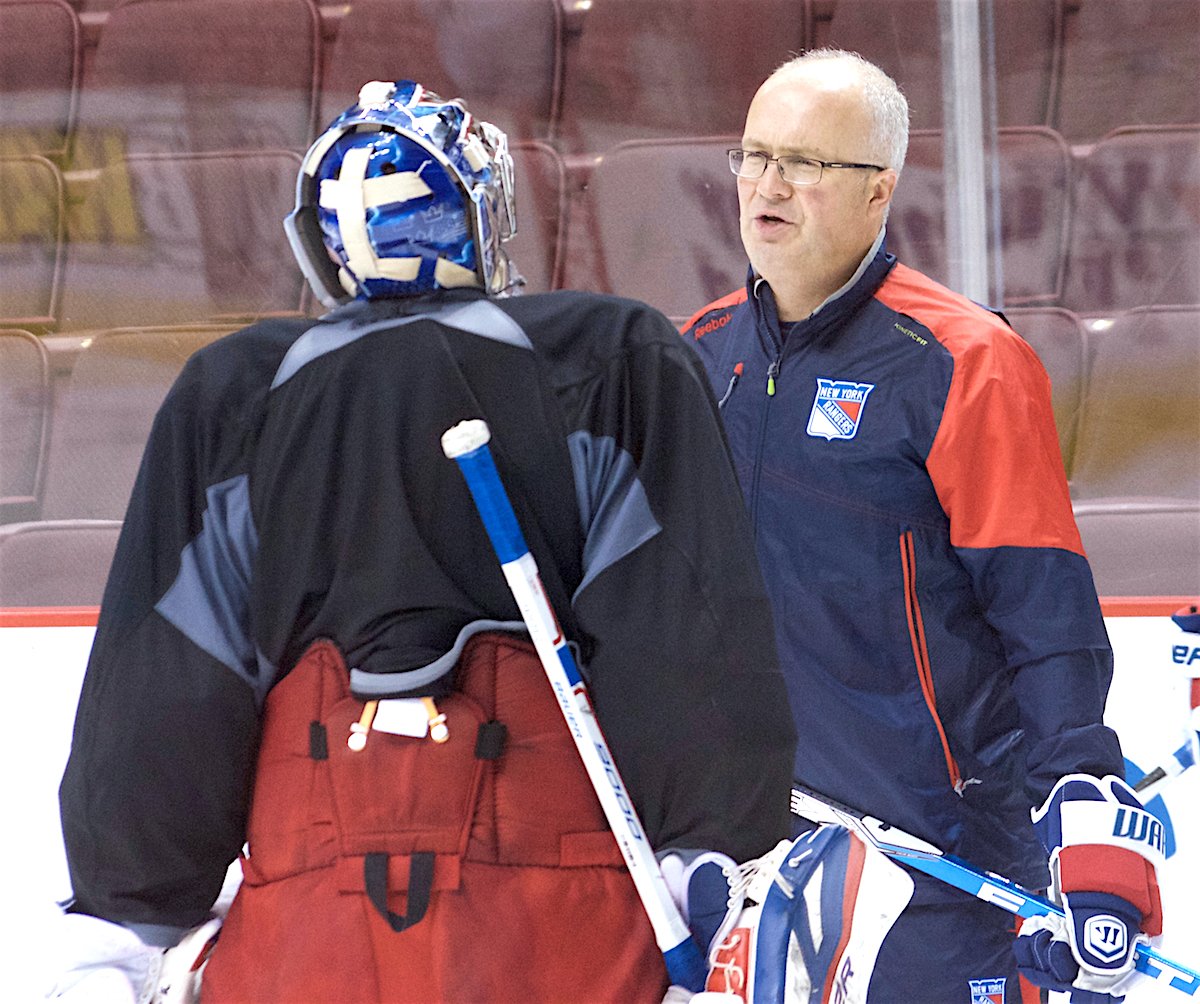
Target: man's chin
(770, 260)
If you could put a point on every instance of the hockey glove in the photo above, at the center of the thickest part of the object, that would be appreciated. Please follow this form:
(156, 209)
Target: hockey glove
(699, 883)
(99, 962)
(768, 923)
(1104, 849)
(104, 963)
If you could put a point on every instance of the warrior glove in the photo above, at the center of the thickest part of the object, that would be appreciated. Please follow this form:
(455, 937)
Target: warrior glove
(1104, 850)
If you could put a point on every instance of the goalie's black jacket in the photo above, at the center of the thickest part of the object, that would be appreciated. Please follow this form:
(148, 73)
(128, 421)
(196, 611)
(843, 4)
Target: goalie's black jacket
(293, 488)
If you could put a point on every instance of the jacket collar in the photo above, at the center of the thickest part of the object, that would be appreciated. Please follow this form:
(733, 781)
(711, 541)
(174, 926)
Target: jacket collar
(836, 308)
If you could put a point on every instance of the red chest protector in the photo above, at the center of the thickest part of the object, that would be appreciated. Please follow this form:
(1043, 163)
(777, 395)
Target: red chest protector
(480, 869)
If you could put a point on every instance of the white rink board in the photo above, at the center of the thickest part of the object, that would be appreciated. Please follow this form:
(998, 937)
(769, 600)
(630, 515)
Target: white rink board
(43, 667)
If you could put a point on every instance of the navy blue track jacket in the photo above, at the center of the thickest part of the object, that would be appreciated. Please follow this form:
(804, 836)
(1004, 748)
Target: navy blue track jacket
(938, 626)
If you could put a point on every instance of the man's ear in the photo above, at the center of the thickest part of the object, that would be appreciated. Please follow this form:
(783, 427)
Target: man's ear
(880, 189)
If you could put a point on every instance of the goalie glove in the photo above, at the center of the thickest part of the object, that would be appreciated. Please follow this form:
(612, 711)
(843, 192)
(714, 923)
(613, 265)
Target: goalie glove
(100, 962)
(809, 916)
(699, 883)
(1104, 851)
(183, 965)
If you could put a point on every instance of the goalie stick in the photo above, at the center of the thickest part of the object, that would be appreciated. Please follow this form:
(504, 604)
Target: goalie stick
(466, 444)
(1180, 760)
(1189, 620)
(987, 886)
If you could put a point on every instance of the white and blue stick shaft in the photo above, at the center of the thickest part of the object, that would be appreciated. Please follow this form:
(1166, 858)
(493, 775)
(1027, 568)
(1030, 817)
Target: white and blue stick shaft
(467, 445)
(987, 886)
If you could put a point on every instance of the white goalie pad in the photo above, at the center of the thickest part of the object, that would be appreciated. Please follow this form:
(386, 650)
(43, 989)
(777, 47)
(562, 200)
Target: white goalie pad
(815, 915)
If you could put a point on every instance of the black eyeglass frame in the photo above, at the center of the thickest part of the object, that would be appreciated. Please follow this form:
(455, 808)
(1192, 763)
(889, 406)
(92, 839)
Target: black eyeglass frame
(777, 161)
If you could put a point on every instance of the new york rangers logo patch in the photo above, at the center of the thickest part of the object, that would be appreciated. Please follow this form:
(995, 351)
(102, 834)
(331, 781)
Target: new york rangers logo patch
(838, 408)
(987, 991)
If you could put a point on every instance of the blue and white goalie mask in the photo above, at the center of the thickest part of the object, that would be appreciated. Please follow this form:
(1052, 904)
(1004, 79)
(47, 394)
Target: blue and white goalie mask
(404, 193)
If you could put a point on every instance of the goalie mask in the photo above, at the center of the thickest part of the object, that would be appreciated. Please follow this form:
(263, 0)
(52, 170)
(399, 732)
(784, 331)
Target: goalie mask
(404, 193)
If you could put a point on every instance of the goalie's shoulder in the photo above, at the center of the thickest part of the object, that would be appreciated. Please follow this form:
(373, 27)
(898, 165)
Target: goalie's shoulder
(583, 332)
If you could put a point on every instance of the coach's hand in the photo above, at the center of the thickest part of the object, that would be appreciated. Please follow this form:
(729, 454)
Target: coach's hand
(1104, 849)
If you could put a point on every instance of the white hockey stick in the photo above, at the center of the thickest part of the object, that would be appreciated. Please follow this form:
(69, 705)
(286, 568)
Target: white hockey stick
(1188, 619)
(466, 444)
(987, 886)
(1179, 761)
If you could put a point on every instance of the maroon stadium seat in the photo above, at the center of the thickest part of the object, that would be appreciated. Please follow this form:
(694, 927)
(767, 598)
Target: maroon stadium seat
(58, 563)
(199, 75)
(1034, 177)
(1135, 237)
(1136, 478)
(1128, 62)
(673, 68)
(658, 221)
(541, 206)
(100, 423)
(39, 75)
(903, 38)
(170, 239)
(500, 56)
(1139, 431)
(1058, 337)
(31, 230)
(24, 414)
(1142, 549)
(102, 416)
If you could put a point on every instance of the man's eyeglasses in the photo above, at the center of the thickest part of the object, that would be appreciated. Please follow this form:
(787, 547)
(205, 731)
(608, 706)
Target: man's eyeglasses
(793, 170)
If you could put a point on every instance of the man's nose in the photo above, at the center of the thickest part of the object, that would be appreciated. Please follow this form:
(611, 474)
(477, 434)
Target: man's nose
(771, 184)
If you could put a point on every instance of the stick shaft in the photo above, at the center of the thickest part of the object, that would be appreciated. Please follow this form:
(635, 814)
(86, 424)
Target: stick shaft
(466, 444)
(987, 886)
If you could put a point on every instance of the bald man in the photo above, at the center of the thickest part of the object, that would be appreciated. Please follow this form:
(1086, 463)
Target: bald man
(937, 622)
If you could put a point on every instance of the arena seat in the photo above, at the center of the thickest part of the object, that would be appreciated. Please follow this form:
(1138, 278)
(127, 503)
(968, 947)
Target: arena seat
(99, 427)
(658, 221)
(179, 238)
(1128, 62)
(31, 232)
(1136, 477)
(102, 416)
(197, 75)
(1139, 430)
(903, 39)
(39, 75)
(62, 563)
(1135, 234)
(673, 68)
(1142, 549)
(24, 417)
(1058, 337)
(501, 56)
(1034, 178)
(541, 206)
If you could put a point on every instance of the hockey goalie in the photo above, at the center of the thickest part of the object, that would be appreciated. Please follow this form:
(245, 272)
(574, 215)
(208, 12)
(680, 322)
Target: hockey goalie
(308, 659)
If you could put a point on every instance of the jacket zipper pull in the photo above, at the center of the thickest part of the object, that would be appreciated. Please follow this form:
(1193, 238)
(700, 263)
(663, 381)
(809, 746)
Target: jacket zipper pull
(358, 730)
(737, 375)
(772, 372)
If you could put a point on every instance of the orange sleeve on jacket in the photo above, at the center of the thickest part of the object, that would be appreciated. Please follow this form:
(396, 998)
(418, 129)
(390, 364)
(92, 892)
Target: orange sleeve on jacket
(729, 300)
(995, 460)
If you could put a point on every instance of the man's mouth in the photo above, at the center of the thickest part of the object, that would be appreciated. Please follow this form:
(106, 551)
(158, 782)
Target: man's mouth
(769, 221)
